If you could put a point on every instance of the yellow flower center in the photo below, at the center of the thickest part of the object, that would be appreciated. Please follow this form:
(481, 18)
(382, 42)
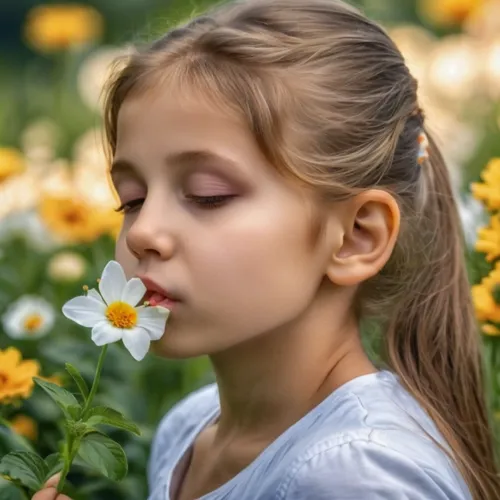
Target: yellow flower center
(3, 379)
(33, 322)
(121, 315)
(74, 215)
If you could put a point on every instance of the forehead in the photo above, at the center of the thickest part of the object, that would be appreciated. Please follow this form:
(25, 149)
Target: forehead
(168, 119)
(168, 113)
(153, 127)
(172, 103)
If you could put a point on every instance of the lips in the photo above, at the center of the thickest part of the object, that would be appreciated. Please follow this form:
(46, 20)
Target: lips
(157, 295)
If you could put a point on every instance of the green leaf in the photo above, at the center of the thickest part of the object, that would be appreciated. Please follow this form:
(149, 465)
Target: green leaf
(104, 455)
(9, 491)
(61, 396)
(28, 468)
(11, 441)
(82, 385)
(54, 465)
(74, 411)
(108, 416)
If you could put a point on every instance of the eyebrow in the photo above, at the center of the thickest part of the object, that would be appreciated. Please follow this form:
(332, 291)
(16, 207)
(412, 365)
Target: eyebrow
(189, 159)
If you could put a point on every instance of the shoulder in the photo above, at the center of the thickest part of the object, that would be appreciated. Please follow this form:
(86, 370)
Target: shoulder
(178, 424)
(373, 465)
(373, 442)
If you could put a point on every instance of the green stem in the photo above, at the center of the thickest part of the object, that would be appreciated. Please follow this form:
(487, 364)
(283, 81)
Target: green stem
(73, 444)
(68, 458)
(95, 384)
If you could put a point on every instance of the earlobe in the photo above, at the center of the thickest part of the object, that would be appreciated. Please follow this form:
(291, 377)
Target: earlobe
(370, 226)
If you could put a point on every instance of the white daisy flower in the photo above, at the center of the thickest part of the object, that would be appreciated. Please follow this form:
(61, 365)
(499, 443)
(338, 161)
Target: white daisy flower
(66, 266)
(113, 315)
(29, 226)
(30, 317)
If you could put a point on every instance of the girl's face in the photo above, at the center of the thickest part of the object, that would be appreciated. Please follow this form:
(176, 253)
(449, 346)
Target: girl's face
(212, 223)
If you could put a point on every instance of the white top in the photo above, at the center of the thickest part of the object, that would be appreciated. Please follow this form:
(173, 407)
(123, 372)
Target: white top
(365, 441)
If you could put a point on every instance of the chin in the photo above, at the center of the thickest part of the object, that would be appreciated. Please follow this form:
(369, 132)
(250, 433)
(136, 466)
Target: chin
(171, 347)
(168, 352)
(187, 343)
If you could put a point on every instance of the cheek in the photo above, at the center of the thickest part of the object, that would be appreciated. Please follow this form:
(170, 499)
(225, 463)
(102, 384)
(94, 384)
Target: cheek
(259, 263)
(124, 256)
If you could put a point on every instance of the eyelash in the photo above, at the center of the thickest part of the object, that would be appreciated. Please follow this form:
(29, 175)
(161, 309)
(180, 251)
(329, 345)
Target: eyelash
(210, 202)
(129, 206)
(204, 202)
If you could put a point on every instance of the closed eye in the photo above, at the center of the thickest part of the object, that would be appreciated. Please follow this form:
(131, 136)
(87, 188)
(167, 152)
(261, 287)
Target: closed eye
(129, 206)
(210, 202)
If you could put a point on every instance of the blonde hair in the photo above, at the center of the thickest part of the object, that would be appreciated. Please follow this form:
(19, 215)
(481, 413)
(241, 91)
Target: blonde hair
(330, 101)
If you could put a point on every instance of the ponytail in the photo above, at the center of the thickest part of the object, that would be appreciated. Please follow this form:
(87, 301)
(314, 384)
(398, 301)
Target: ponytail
(433, 342)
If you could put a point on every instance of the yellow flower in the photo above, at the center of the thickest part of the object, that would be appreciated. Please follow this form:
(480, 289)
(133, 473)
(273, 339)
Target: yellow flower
(483, 302)
(448, 12)
(489, 239)
(11, 163)
(24, 426)
(112, 222)
(486, 303)
(489, 190)
(489, 329)
(16, 375)
(71, 219)
(60, 26)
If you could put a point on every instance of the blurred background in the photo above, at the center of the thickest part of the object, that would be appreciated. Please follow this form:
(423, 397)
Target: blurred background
(57, 218)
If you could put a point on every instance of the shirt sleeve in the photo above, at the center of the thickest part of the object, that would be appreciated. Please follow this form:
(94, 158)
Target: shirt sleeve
(365, 470)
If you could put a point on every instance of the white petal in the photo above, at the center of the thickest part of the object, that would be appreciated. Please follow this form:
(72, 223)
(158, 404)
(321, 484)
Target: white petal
(112, 282)
(137, 341)
(94, 294)
(153, 320)
(84, 310)
(105, 333)
(133, 292)
(13, 327)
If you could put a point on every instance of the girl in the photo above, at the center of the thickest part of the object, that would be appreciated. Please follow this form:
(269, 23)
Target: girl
(272, 163)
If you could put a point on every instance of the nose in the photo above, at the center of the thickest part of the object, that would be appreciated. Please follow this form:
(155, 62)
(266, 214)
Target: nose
(149, 233)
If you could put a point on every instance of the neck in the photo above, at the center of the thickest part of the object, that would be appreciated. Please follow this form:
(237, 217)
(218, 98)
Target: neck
(269, 383)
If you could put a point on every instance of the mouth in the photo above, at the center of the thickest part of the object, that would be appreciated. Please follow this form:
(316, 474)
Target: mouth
(157, 296)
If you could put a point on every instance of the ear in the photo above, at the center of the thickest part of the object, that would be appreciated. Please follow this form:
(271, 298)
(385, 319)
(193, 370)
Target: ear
(369, 225)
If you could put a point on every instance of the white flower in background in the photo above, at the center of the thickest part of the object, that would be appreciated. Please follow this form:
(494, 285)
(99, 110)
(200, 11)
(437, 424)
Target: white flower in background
(18, 193)
(473, 216)
(455, 68)
(113, 315)
(30, 317)
(67, 266)
(27, 225)
(492, 68)
(95, 71)
(91, 175)
(415, 43)
(39, 139)
(89, 150)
